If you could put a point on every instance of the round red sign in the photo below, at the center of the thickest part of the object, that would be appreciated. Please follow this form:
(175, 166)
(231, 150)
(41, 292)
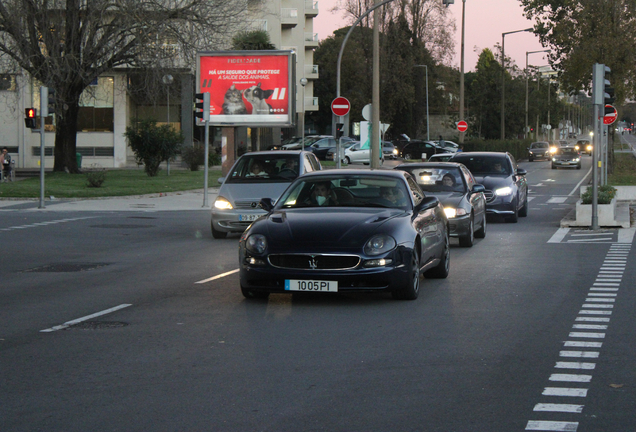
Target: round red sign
(462, 126)
(610, 115)
(340, 106)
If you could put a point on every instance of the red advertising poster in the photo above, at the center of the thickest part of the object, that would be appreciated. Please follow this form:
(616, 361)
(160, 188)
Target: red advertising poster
(250, 88)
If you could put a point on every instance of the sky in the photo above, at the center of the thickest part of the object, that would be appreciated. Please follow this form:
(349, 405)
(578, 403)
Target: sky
(485, 20)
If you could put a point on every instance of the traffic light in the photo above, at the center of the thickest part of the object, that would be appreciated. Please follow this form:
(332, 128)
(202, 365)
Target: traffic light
(339, 130)
(202, 106)
(48, 101)
(30, 114)
(608, 91)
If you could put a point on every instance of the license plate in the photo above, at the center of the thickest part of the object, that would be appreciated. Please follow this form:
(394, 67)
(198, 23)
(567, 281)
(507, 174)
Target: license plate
(249, 217)
(311, 285)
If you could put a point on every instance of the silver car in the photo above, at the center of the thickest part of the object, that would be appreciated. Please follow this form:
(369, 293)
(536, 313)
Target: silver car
(356, 154)
(252, 177)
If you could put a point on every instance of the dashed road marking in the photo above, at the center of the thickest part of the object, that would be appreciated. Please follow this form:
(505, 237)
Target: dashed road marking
(590, 325)
(39, 224)
(85, 318)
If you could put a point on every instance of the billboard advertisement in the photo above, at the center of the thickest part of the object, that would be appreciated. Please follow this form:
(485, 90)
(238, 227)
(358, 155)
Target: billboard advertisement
(248, 88)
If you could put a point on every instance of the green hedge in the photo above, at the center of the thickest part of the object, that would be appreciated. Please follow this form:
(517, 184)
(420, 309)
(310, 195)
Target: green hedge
(517, 148)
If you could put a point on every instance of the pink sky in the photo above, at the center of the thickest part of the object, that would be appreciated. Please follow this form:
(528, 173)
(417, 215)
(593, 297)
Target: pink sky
(486, 20)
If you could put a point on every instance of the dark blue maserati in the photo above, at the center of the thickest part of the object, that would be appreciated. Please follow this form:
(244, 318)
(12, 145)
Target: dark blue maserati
(344, 231)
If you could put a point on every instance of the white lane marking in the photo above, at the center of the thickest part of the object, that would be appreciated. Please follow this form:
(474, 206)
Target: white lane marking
(538, 185)
(541, 425)
(588, 234)
(578, 185)
(590, 240)
(592, 319)
(559, 235)
(583, 344)
(601, 300)
(87, 317)
(570, 378)
(531, 198)
(602, 294)
(579, 354)
(605, 284)
(594, 312)
(615, 279)
(575, 365)
(557, 200)
(588, 335)
(222, 275)
(560, 391)
(603, 289)
(589, 327)
(38, 224)
(559, 408)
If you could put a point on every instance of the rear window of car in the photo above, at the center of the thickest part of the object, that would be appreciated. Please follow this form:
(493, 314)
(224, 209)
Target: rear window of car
(540, 145)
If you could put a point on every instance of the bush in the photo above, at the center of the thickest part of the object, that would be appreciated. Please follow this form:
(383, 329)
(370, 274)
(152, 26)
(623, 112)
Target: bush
(153, 144)
(95, 176)
(195, 156)
(605, 195)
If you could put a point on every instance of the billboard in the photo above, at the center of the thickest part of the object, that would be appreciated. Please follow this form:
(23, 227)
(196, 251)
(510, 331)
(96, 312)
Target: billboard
(248, 88)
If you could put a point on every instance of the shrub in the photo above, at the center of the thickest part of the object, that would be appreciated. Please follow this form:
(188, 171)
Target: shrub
(605, 195)
(153, 144)
(195, 156)
(95, 176)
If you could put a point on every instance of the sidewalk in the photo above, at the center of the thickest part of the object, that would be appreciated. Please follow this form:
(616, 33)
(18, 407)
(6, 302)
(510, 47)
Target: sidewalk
(173, 201)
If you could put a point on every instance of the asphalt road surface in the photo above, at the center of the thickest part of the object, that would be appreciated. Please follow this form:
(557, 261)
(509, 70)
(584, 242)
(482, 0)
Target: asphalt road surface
(134, 321)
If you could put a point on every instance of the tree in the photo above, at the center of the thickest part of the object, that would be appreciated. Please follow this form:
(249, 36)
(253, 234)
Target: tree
(252, 40)
(583, 32)
(67, 45)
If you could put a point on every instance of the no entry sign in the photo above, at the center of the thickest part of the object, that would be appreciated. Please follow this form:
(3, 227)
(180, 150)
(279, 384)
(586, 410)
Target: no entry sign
(462, 126)
(610, 115)
(340, 106)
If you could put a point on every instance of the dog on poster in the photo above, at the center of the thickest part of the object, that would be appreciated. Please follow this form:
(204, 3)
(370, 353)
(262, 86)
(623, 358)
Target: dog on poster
(257, 97)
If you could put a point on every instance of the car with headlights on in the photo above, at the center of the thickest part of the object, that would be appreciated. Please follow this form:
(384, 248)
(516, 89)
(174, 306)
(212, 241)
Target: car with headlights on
(539, 150)
(372, 231)
(566, 157)
(254, 176)
(462, 197)
(585, 146)
(505, 183)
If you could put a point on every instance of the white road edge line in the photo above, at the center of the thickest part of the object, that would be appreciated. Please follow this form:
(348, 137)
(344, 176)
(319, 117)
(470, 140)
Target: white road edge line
(87, 317)
(576, 188)
(217, 276)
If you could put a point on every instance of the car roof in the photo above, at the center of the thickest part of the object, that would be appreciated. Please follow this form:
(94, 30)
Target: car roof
(431, 164)
(352, 171)
(276, 153)
(482, 153)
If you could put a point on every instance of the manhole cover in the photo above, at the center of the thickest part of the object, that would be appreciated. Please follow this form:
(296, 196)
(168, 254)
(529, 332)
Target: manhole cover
(97, 325)
(65, 267)
(121, 226)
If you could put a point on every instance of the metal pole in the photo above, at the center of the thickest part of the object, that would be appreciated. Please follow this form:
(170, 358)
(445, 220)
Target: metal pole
(375, 101)
(41, 149)
(525, 131)
(207, 169)
(428, 133)
(595, 153)
(461, 77)
(503, 88)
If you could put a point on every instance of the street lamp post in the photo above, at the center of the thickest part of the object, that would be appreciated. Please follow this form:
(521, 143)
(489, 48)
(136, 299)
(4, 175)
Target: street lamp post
(167, 80)
(461, 78)
(525, 134)
(503, 80)
(303, 82)
(428, 134)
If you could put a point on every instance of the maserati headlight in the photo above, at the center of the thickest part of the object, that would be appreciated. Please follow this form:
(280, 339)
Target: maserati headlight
(379, 244)
(256, 243)
(453, 212)
(504, 191)
(222, 204)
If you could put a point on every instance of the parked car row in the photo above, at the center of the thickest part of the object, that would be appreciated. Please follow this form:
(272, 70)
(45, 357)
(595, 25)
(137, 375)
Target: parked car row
(311, 230)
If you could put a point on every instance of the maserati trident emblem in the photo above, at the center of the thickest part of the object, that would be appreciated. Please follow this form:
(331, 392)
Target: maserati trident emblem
(312, 262)
(254, 204)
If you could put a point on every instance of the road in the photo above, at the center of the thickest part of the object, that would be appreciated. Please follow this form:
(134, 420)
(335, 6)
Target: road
(532, 330)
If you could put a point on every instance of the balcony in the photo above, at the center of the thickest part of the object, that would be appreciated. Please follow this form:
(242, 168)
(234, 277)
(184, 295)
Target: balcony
(289, 17)
(311, 71)
(311, 40)
(311, 8)
(311, 104)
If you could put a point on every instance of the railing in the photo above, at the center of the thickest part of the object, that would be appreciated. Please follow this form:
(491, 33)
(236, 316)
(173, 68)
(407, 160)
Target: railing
(311, 101)
(311, 5)
(311, 37)
(289, 13)
(311, 70)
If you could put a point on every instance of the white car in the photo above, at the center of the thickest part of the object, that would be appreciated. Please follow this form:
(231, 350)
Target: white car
(354, 154)
(449, 146)
(441, 157)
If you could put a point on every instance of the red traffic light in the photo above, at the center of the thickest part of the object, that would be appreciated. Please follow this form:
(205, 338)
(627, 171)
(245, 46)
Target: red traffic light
(30, 113)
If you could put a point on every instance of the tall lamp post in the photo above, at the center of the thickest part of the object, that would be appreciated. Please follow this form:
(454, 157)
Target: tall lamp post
(428, 135)
(461, 77)
(303, 82)
(167, 80)
(503, 80)
(525, 133)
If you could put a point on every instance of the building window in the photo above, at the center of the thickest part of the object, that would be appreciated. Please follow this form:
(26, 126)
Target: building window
(96, 107)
